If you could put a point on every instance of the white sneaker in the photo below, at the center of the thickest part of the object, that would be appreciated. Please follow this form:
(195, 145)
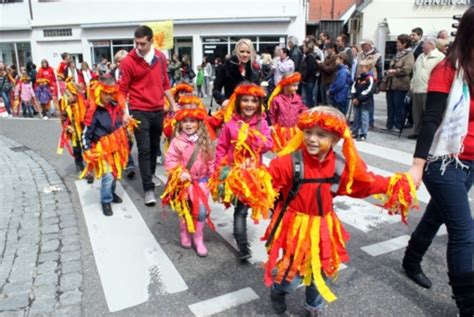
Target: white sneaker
(159, 160)
(150, 199)
(45, 118)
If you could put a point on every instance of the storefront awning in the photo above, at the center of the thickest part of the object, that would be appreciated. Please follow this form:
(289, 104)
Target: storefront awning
(347, 15)
(430, 26)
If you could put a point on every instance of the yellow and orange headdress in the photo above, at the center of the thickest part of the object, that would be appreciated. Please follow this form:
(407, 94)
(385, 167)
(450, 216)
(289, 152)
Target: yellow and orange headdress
(182, 87)
(191, 100)
(195, 113)
(241, 90)
(289, 80)
(337, 125)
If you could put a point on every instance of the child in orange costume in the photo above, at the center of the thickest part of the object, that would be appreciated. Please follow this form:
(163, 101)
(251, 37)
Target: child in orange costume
(285, 105)
(304, 225)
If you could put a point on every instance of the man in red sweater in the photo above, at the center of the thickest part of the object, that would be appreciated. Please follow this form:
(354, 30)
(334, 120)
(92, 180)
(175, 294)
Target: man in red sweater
(144, 80)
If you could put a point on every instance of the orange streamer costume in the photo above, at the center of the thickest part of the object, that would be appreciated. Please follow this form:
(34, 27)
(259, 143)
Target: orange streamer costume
(307, 238)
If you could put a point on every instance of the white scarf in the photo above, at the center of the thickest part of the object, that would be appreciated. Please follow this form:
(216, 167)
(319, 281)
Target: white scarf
(449, 138)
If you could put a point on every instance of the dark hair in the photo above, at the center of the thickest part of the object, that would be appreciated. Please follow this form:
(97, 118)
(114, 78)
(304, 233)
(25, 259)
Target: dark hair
(325, 34)
(344, 38)
(142, 31)
(64, 55)
(344, 57)
(461, 51)
(332, 46)
(404, 39)
(286, 51)
(418, 31)
(107, 79)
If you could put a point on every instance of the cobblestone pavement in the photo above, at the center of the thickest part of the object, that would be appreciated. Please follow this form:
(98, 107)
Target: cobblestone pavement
(40, 251)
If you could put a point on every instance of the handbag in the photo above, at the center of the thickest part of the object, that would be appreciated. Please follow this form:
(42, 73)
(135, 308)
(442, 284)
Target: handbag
(192, 74)
(383, 83)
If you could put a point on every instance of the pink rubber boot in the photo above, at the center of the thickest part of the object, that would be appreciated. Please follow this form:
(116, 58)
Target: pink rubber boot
(184, 234)
(201, 249)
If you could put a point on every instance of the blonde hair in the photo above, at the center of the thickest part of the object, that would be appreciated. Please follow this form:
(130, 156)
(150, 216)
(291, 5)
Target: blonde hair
(365, 63)
(249, 44)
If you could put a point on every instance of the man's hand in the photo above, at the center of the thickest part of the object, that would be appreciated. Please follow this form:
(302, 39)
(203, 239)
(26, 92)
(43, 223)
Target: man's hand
(126, 117)
(355, 101)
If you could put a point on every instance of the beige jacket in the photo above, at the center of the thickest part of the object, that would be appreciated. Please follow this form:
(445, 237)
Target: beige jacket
(403, 65)
(424, 64)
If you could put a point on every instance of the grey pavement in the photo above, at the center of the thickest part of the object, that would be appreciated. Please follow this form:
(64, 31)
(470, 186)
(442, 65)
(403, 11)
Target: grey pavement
(40, 249)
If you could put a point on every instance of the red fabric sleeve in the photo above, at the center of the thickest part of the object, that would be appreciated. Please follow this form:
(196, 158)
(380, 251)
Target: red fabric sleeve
(281, 170)
(361, 189)
(441, 78)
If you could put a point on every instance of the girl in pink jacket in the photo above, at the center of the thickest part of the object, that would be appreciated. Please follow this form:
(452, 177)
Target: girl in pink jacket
(242, 142)
(189, 162)
(24, 93)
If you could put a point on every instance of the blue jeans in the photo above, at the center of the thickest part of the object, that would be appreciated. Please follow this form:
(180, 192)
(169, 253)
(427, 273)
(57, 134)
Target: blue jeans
(307, 94)
(27, 109)
(107, 188)
(6, 101)
(313, 298)
(395, 108)
(371, 112)
(449, 204)
(361, 119)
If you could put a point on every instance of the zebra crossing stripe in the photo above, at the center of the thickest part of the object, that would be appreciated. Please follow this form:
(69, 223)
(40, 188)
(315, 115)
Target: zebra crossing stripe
(224, 302)
(387, 246)
(131, 264)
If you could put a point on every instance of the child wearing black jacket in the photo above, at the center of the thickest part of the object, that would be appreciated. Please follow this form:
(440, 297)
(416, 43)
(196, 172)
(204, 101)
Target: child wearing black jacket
(362, 97)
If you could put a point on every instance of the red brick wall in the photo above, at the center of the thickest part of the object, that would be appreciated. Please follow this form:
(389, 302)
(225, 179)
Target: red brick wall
(328, 9)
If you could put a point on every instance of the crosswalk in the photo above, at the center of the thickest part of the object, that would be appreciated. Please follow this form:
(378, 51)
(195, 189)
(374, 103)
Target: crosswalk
(126, 243)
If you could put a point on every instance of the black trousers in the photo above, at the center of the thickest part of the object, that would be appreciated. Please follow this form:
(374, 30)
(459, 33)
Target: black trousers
(148, 136)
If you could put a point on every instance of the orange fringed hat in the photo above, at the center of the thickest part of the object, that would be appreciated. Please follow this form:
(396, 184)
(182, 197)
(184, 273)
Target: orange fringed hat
(191, 100)
(241, 90)
(182, 87)
(330, 122)
(198, 114)
(290, 80)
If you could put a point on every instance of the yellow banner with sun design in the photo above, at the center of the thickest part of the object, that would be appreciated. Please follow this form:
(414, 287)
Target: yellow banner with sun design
(162, 34)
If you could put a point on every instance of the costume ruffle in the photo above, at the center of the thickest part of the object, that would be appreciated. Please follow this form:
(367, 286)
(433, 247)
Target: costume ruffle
(281, 136)
(313, 247)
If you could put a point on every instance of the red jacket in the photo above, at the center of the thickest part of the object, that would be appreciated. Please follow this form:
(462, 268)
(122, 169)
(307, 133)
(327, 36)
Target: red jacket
(144, 84)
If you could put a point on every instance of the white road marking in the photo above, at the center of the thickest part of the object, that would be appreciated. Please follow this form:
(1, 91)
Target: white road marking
(361, 214)
(224, 302)
(131, 264)
(385, 153)
(387, 246)
(442, 231)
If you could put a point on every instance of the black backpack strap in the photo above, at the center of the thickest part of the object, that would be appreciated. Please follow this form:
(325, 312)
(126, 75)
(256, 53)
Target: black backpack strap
(298, 174)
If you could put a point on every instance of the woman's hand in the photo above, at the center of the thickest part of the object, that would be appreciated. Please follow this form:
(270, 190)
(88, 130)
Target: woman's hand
(416, 171)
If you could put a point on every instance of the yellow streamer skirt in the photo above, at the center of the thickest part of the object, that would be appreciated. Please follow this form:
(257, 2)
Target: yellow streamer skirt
(108, 155)
(313, 247)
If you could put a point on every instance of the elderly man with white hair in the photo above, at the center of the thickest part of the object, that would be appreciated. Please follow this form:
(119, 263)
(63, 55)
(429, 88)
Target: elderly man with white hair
(295, 53)
(424, 64)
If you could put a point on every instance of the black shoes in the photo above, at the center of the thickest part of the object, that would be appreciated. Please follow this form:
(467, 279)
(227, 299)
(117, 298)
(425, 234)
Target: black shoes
(116, 199)
(107, 209)
(278, 301)
(244, 253)
(419, 278)
(412, 136)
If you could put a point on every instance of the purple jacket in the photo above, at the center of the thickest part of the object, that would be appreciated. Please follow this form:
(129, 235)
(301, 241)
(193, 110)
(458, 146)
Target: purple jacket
(285, 109)
(229, 133)
(43, 94)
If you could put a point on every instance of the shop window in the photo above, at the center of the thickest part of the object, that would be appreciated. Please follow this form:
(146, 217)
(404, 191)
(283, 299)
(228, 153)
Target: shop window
(126, 42)
(236, 39)
(57, 32)
(24, 53)
(7, 53)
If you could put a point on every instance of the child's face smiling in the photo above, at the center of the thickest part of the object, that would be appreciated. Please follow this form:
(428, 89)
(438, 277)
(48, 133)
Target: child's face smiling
(291, 89)
(318, 141)
(106, 98)
(189, 126)
(248, 105)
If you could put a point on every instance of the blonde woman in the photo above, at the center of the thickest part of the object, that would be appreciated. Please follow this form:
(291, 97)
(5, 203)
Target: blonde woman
(235, 71)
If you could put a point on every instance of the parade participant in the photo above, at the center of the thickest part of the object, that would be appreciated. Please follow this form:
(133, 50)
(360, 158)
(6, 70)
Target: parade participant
(43, 95)
(169, 121)
(242, 142)
(305, 240)
(73, 110)
(105, 141)
(189, 162)
(362, 97)
(144, 80)
(285, 105)
(444, 159)
(25, 96)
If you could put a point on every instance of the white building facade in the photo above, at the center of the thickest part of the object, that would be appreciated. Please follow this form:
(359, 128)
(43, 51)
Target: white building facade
(31, 30)
(384, 20)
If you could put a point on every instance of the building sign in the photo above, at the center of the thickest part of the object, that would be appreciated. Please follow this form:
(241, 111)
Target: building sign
(100, 43)
(441, 2)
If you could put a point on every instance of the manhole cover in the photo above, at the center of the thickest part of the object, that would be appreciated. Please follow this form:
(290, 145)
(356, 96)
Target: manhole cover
(19, 148)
